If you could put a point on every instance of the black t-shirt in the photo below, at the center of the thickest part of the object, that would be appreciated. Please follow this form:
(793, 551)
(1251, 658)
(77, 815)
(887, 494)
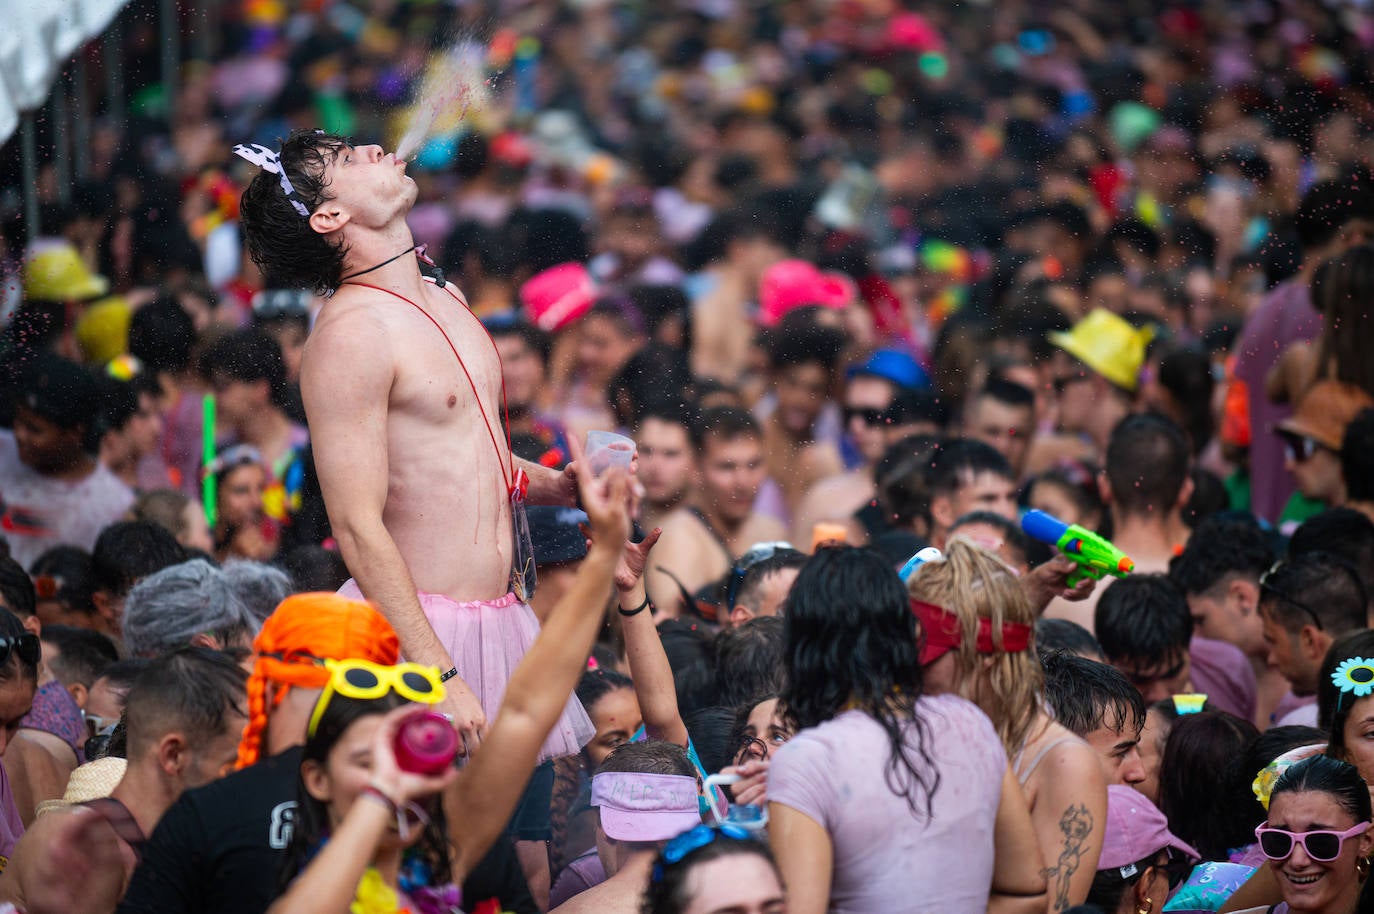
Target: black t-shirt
(219, 850)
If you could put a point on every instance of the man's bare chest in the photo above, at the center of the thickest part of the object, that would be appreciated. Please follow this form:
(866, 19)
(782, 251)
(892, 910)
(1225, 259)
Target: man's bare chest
(447, 367)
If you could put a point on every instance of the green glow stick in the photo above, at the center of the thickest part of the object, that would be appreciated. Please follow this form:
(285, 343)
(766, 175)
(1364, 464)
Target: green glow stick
(209, 494)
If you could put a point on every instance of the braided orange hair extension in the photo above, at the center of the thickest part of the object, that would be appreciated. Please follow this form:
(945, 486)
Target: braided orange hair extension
(304, 629)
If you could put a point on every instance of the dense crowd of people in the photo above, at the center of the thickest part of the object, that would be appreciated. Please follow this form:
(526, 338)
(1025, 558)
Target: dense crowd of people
(299, 436)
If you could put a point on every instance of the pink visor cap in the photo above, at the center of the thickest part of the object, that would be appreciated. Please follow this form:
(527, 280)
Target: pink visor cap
(645, 807)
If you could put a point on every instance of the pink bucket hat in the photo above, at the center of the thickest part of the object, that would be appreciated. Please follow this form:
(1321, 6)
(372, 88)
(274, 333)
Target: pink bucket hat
(558, 296)
(791, 284)
(645, 807)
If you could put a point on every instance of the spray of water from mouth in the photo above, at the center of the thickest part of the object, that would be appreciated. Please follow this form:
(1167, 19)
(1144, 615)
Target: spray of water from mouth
(455, 85)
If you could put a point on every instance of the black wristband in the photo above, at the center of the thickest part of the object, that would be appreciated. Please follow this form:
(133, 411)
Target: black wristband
(637, 610)
(453, 671)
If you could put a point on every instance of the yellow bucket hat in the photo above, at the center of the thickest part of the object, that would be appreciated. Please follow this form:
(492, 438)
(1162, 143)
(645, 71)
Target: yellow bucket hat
(1109, 345)
(58, 273)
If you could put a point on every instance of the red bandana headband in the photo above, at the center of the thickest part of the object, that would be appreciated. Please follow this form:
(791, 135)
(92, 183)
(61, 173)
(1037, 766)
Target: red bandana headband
(941, 633)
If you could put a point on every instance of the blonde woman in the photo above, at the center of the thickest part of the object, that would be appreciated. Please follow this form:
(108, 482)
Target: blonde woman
(977, 641)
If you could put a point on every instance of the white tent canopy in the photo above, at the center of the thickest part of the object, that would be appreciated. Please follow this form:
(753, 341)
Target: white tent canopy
(36, 39)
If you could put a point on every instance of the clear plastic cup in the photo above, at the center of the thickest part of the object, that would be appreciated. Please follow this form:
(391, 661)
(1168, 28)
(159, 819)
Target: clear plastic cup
(606, 450)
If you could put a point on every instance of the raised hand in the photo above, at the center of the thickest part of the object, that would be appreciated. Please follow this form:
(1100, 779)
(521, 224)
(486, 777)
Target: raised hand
(634, 560)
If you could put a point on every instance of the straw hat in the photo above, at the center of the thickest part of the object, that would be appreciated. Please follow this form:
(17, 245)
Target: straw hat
(90, 781)
(1324, 412)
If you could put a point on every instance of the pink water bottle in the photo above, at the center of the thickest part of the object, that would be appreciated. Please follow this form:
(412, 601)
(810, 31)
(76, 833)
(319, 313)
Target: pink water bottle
(426, 743)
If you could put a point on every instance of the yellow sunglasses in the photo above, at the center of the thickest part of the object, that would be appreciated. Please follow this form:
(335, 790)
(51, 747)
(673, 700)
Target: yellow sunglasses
(365, 681)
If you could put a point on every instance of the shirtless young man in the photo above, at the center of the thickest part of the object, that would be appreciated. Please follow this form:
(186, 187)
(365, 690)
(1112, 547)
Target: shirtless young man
(402, 387)
(702, 540)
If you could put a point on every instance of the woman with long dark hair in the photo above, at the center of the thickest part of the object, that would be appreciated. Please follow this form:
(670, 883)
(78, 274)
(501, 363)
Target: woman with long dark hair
(1317, 838)
(884, 793)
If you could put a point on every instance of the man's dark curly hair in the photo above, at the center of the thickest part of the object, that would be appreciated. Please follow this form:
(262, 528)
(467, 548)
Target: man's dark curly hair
(290, 253)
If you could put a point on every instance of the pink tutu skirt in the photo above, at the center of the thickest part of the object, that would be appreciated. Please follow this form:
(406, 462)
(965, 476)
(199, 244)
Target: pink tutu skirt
(487, 639)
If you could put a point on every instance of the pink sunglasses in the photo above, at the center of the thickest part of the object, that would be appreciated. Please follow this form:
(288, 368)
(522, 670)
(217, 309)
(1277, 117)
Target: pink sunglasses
(1323, 846)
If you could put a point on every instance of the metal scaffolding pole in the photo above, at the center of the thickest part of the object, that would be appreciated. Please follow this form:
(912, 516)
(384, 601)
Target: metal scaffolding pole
(171, 50)
(61, 135)
(81, 117)
(28, 152)
(112, 62)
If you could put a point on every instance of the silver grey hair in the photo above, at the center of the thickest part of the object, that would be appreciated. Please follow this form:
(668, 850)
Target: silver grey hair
(260, 587)
(166, 610)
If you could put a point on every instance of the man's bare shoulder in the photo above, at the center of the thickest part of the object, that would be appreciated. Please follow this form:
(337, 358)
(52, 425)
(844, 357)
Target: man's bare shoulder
(761, 529)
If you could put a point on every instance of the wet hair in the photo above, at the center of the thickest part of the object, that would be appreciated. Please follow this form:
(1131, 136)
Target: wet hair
(538, 342)
(314, 569)
(164, 507)
(1011, 534)
(1342, 532)
(973, 584)
(1315, 585)
(1323, 774)
(1222, 547)
(16, 589)
(1333, 705)
(311, 824)
(1087, 696)
(1357, 457)
(1147, 464)
(1062, 635)
(16, 667)
(752, 580)
(749, 661)
(1193, 777)
(958, 460)
(1008, 393)
(670, 891)
(650, 756)
(162, 336)
(1254, 757)
(121, 674)
(1144, 620)
(851, 642)
(1109, 886)
(69, 568)
(902, 478)
(805, 344)
(249, 355)
(129, 551)
(1186, 373)
(82, 654)
(1342, 289)
(1077, 480)
(654, 374)
(1327, 207)
(692, 659)
(290, 253)
(712, 731)
(724, 423)
(193, 690)
(595, 685)
(169, 609)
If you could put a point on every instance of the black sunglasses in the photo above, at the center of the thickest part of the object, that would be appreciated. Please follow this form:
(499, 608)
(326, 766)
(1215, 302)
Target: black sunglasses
(1301, 448)
(868, 416)
(1269, 588)
(26, 645)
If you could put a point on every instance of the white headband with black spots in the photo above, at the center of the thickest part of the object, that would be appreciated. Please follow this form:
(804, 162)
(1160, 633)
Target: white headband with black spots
(269, 161)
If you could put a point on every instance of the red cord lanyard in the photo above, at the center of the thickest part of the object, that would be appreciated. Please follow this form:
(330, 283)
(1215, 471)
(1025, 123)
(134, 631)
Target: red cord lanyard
(506, 461)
